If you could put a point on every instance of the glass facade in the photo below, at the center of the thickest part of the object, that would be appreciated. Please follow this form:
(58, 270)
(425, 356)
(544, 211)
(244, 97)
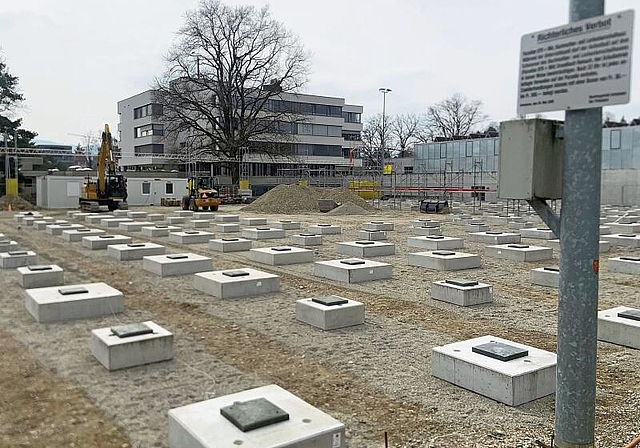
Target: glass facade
(620, 150)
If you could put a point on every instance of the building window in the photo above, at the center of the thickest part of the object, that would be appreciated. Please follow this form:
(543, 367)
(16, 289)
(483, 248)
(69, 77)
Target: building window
(320, 129)
(148, 149)
(146, 188)
(351, 136)
(614, 139)
(168, 188)
(408, 169)
(334, 131)
(305, 129)
(148, 110)
(148, 130)
(443, 150)
(468, 149)
(351, 117)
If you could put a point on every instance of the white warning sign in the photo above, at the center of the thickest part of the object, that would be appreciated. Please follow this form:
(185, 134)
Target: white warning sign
(581, 65)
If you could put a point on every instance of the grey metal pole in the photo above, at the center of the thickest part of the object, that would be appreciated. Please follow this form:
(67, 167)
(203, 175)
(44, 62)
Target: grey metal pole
(579, 260)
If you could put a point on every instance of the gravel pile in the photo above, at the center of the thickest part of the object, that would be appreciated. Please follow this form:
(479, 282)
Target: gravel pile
(17, 203)
(287, 199)
(349, 208)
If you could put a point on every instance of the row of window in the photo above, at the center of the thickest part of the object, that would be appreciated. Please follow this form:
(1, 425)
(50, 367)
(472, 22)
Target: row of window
(302, 149)
(148, 130)
(147, 110)
(154, 148)
(351, 136)
(320, 130)
(352, 117)
(146, 188)
(294, 107)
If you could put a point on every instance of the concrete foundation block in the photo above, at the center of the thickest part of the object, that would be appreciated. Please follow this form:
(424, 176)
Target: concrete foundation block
(620, 326)
(8, 246)
(134, 251)
(282, 255)
(201, 425)
(435, 242)
(15, 259)
(494, 237)
(95, 219)
(306, 240)
(364, 249)
(120, 213)
(330, 313)
(624, 265)
(372, 235)
(81, 216)
(183, 213)
(605, 230)
(40, 276)
(476, 227)
(229, 244)
(352, 270)
(253, 222)
(462, 292)
(76, 235)
(519, 252)
(512, 382)
(228, 227)
(199, 223)
(623, 239)
(617, 227)
(173, 220)
(155, 217)
(28, 222)
(227, 218)
(176, 264)
(629, 219)
(207, 216)
(236, 283)
(285, 225)
(134, 226)
(137, 215)
(444, 260)
(114, 222)
(73, 213)
(519, 225)
(547, 276)
(497, 220)
(324, 229)
(378, 225)
(99, 242)
(121, 352)
(538, 233)
(56, 229)
(40, 224)
(159, 230)
(61, 303)
(605, 246)
(191, 237)
(263, 233)
(424, 223)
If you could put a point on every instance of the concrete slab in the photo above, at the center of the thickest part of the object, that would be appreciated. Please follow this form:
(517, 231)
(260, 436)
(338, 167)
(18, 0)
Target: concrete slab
(229, 244)
(155, 217)
(519, 252)
(624, 228)
(285, 225)
(263, 233)
(134, 251)
(253, 222)
(228, 227)
(176, 264)
(519, 225)
(281, 255)
(605, 246)
(121, 352)
(617, 329)
(547, 276)
(538, 233)
(378, 225)
(56, 229)
(372, 235)
(424, 223)
(173, 220)
(236, 283)
(629, 219)
(114, 222)
(624, 265)
(81, 216)
(352, 270)
(8, 246)
(324, 229)
(159, 230)
(134, 226)
(435, 242)
(444, 260)
(99, 242)
(427, 230)
(476, 227)
(306, 240)
(330, 313)
(199, 223)
(605, 230)
(95, 219)
(201, 425)
(513, 382)
(208, 216)
(137, 215)
(40, 276)
(191, 237)
(623, 239)
(61, 303)
(462, 292)
(41, 224)
(494, 237)
(227, 218)
(17, 258)
(183, 213)
(364, 249)
(76, 235)
(120, 213)
(28, 222)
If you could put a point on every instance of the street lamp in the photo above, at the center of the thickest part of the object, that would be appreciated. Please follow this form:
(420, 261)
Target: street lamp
(384, 92)
(193, 53)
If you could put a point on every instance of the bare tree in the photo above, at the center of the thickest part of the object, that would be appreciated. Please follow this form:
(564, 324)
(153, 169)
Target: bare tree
(405, 130)
(454, 116)
(373, 140)
(221, 91)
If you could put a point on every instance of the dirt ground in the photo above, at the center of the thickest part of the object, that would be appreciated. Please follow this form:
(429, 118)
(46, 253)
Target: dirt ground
(374, 377)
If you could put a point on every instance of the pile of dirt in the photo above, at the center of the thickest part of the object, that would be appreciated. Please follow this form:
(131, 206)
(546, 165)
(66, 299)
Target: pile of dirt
(17, 203)
(349, 208)
(292, 199)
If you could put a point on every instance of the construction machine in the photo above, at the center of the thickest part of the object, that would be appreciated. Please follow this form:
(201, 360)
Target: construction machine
(202, 193)
(109, 189)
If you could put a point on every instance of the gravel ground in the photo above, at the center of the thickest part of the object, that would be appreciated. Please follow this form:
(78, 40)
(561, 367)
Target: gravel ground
(374, 377)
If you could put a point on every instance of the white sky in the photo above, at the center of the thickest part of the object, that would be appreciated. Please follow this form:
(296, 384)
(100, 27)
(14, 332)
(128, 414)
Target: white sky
(77, 58)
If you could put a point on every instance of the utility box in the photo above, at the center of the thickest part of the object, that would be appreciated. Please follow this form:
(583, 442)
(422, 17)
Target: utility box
(530, 163)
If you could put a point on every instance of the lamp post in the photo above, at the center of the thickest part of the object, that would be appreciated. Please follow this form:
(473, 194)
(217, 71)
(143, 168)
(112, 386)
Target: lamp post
(383, 139)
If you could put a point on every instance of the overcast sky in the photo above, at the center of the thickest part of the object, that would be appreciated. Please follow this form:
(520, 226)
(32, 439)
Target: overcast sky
(77, 58)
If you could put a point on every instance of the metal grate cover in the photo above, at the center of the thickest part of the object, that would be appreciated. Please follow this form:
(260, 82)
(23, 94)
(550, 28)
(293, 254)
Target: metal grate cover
(500, 351)
(253, 414)
(127, 331)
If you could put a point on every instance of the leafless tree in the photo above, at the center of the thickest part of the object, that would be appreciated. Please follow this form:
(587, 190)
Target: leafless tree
(221, 91)
(405, 130)
(373, 140)
(454, 116)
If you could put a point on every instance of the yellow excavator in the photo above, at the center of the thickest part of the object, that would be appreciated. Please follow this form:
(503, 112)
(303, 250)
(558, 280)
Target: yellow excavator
(109, 189)
(202, 193)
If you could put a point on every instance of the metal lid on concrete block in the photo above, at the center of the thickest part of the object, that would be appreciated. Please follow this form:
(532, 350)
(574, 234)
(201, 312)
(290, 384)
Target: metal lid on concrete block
(281, 249)
(461, 282)
(37, 268)
(136, 245)
(263, 228)
(330, 300)
(500, 351)
(352, 261)
(307, 234)
(630, 314)
(518, 246)
(552, 269)
(230, 239)
(106, 236)
(70, 290)
(177, 257)
(627, 235)
(434, 237)
(236, 273)
(253, 414)
(191, 232)
(127, 331)
(17, 252)
(443, 253)
(493, 232)
(630, 258)
(366, 243)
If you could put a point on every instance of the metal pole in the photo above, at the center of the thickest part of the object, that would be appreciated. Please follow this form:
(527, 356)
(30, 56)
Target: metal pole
(579, 236)
(383, 139)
